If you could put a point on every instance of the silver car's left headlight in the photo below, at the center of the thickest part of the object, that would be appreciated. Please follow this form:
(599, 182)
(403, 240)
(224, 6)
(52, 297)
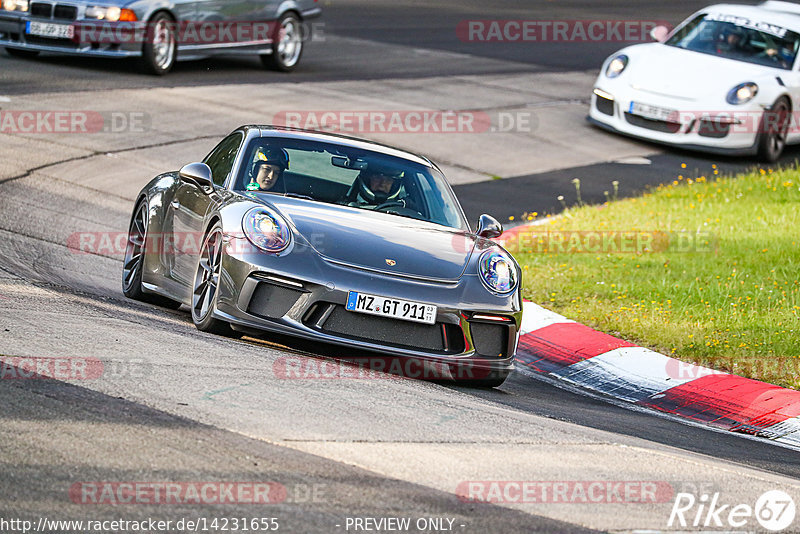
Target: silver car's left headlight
(266, 229)
(497, 272)
(14, 5)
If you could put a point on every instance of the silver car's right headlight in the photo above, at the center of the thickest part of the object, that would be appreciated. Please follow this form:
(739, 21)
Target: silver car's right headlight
(14, 5)
(111, 14)
(497, 272)
(616, 66)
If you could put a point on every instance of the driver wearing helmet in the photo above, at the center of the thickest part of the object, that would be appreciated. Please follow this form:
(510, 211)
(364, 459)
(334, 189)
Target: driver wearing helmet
(732, 40)
(268, 168)
(378, 184)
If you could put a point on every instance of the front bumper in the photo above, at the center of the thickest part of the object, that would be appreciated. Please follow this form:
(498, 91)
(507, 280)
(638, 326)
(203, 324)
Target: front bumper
(727, 129)
(111, 43)
(306, 295)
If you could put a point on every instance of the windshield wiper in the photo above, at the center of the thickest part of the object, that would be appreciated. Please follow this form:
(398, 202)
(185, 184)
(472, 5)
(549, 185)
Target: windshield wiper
(298, 195)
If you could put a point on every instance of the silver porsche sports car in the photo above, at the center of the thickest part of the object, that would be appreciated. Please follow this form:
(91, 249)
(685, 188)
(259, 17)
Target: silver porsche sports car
(157, 32)
(332, 239)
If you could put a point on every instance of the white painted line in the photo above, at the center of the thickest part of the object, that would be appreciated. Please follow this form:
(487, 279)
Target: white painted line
(535, 317)
(786, 431)
(629, 373)
(559, 383)
(634, 160)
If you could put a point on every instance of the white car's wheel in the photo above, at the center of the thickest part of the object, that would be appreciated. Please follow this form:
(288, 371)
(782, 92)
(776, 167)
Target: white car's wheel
(773, 130)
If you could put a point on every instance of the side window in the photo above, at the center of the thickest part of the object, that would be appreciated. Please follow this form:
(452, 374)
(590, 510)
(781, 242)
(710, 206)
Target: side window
(222, 157)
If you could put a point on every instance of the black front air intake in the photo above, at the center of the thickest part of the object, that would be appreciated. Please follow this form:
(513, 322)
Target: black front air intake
(42, 10)
(63, 12)
(490, 340)
(439, 337)
(272, 301)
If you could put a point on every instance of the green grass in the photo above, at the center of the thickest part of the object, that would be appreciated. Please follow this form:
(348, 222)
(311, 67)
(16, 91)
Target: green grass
(731, 303)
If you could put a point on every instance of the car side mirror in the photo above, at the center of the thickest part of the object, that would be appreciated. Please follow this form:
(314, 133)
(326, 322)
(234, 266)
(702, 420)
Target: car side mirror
(488, 227)
(659, 33)
(199, 173)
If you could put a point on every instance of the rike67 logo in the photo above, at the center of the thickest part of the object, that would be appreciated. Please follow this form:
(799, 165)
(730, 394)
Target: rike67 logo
(774, 511)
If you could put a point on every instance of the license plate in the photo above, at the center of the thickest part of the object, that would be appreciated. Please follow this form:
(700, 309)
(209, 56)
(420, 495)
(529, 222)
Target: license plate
(46, 29)
(394, 308)
(653, 112)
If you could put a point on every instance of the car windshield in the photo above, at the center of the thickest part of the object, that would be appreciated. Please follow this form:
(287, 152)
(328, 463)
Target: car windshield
(331, 173)
(739, 38)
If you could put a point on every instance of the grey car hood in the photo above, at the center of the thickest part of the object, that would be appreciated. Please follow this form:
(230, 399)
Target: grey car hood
(378, 241)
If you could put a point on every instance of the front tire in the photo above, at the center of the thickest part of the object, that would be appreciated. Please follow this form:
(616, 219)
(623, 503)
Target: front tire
(133, 263)
(772, 134)
(160, 47)
(206, 285)
(287, 45)
(22, 54)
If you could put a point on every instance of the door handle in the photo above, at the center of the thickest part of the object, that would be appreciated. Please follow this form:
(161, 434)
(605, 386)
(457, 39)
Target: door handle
(175, 204)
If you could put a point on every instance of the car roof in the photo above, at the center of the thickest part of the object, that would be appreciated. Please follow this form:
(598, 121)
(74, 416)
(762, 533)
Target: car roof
(269, 130)
(783, 14)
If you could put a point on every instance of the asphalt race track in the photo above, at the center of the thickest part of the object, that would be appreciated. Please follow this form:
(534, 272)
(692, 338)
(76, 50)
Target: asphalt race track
(176, 405)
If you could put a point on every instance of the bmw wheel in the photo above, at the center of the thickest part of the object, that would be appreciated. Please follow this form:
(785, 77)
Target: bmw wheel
(133, 263)
(772, 136)
(160, 46)
(287, 45)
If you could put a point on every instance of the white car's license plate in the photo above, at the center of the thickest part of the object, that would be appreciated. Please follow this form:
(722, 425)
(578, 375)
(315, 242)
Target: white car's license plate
(393, 308)
(46, 29)
(653, 112)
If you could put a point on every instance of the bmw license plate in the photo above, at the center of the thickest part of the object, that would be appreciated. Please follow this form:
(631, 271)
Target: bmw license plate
(46, 29)
(392, 308)
(653, 112)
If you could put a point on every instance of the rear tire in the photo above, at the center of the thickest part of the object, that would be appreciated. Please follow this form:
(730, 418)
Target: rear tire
(772, 134)
(206, 285)
(22, 54)
(133, 263)
(160, 47)
(287, 45)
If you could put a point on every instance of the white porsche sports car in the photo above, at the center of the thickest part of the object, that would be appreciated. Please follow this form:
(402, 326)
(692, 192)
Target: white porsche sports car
(726, 80)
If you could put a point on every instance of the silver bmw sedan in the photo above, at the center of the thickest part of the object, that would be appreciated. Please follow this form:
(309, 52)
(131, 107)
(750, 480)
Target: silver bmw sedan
(159, 32)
